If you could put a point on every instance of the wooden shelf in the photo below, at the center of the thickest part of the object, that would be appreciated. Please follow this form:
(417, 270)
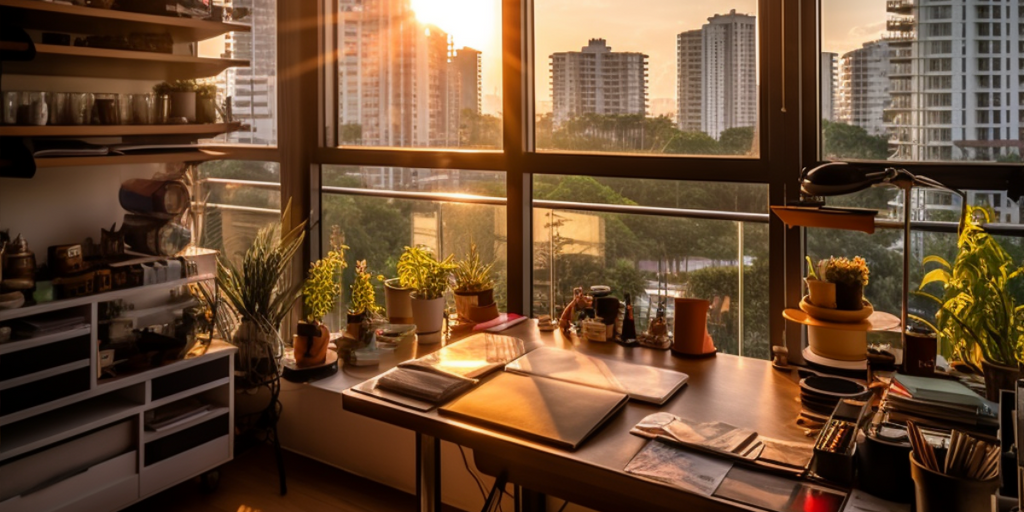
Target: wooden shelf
(119, 130)
(54, 17)
(213, 413)
(54, 60)
(10, 314)
(201, 155)
(44, 374)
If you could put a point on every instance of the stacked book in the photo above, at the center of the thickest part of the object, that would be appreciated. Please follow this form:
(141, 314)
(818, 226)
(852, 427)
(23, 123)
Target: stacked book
(939, 403)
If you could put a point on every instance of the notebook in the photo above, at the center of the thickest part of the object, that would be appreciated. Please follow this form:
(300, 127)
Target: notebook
(473, 357)
(536, 408)
(943, 391)
(642, 383)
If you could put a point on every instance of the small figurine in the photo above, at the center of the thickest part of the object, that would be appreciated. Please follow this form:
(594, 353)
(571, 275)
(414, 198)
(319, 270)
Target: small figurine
(781, 357)
(657, 335)
(580, 301)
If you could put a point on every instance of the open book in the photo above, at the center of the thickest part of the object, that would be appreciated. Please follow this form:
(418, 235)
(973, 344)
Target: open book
(640, 382)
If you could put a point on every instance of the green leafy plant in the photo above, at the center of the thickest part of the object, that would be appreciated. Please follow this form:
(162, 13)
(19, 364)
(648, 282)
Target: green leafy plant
(322, 287)
(978, 318)
(846, 271)
(259, 292)
(364, 297)
(189, 85)
(471, 275)
(420, 270)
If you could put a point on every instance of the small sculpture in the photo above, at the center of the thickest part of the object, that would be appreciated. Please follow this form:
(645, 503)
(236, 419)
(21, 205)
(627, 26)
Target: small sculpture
(580, 301)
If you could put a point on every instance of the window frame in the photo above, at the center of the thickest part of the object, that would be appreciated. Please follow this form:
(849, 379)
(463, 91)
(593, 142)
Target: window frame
(789, 35)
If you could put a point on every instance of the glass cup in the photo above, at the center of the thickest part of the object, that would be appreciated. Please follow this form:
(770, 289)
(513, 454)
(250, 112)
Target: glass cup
(124, 108)
(9, 107)
(106, 110)
(163, 109)
(143, 108)
(32, 108)
(58, 105)
(79, 111)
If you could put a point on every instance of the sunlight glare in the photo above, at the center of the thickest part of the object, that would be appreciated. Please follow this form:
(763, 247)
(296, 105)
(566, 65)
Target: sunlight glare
(470, 23)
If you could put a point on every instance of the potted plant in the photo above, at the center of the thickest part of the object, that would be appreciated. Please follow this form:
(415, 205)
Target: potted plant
(850, 278)
(420, 270)
(364, 299)
(320, 296)
(182, 94)
(260, 296)
(979, 322)
(206, 103)
(820, 292)
(474, 288)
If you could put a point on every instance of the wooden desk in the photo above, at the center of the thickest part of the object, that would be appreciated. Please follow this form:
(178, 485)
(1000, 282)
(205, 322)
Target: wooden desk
(744, 392)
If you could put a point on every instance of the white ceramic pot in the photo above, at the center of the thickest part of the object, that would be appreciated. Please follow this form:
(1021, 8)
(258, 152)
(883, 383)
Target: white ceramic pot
(428, 314)
(398, 302)
(183, 104)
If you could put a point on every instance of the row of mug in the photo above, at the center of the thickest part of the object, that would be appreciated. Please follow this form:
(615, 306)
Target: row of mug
(37, 108)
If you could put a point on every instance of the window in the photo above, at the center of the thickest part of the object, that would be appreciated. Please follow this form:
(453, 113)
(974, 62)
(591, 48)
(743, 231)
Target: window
(416, 73)
(689, 87)
(251, 93)
(238, 197)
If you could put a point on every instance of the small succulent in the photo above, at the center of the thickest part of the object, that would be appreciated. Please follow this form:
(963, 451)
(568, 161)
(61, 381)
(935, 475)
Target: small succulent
(364, 298)
(322, 287)
(849, 272)
(471, 275)
(420, 270)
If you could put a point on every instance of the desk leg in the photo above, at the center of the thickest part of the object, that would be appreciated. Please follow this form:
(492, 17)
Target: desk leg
(531, 501)
(428, 472)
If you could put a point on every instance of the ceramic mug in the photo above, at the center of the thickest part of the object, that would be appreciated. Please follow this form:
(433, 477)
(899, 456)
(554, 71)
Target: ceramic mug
(9, 107)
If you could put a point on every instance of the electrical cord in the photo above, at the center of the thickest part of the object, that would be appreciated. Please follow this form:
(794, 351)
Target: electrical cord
(479, 483)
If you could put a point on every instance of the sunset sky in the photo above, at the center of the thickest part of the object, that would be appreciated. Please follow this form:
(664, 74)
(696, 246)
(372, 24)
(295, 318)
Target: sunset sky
(648, 26)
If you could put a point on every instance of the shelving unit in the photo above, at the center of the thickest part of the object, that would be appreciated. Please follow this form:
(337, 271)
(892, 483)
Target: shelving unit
(81, 440)
(53, 60)
(118, 130)
(34, 14)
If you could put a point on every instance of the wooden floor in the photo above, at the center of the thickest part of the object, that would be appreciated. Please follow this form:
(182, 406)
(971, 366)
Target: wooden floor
(250, 484)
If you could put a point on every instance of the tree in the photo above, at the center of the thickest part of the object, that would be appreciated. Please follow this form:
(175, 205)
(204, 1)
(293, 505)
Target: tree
(351, 133)
(737, 141)
(479, 130)
(847, 142)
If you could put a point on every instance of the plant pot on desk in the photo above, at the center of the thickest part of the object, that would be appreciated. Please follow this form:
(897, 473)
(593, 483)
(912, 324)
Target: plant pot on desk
(821, 293)
(465, 301)
(999, 377)
(183, 104)
(310, 343)
(354, 324)
(398, 302)
(849, 297)
(428, 314)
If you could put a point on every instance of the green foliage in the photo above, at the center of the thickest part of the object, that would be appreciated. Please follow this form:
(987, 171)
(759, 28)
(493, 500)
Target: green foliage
(978, 318)
(479, 130)
(425, 274)
(364, 298)
(322, 287)
(202, 90)
(737, 141)
(471, 275)
(259, 291)
(351, 133)
(842, 141)
(849, 272)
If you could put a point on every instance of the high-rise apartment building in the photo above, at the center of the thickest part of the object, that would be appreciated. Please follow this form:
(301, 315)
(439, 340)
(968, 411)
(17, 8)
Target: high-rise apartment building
(396, 86)
(467, 64)
(253, 90)
(864, 87)
(597, 80)
(829, 83)
(689, 73)
(729, 83)
(954, 74)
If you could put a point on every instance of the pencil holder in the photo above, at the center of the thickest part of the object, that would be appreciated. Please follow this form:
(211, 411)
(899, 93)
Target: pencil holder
(937, 492)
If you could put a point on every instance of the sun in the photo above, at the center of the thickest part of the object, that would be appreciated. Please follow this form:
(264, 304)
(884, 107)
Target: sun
(472, 23)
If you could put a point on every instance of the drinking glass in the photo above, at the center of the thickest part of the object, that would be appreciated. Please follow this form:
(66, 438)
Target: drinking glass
(107, 109)
(124, 108)
(79, 108)
(9, 107)
(58, 105)
(32, 108)
(143, 108)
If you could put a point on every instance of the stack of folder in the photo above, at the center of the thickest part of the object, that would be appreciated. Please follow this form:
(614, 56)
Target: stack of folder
(939, 403)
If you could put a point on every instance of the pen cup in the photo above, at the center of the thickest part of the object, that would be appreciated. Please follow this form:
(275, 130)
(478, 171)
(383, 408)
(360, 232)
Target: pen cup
(937, 492)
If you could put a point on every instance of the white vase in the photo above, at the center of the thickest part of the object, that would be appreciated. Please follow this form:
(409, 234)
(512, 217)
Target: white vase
(428, 314)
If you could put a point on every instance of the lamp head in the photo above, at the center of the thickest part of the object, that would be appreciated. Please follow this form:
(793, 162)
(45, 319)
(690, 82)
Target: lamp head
(838, 178)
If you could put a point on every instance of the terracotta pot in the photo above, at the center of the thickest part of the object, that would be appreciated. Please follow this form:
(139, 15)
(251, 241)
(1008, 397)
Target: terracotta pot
(691, 328)
(398, 302)
(312, 351)
(821, 293)
(428, 314)
(466, 300)
(849, 298)
(354, 324)
(999, 377)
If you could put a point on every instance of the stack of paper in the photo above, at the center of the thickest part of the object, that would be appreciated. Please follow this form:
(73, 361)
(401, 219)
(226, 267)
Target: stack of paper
(938, 403)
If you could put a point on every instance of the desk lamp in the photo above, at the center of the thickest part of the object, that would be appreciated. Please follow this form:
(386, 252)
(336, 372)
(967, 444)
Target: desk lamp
(838, 178)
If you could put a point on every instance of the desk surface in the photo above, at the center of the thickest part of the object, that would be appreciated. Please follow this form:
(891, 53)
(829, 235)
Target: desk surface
(744, 392)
